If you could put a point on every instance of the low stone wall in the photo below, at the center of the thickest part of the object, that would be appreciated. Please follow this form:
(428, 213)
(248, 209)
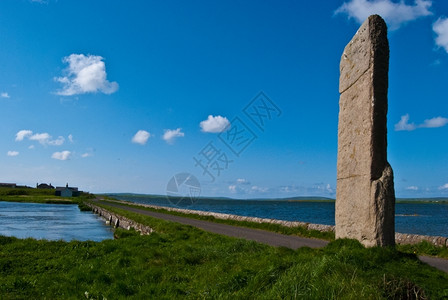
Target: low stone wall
(404, 238)
(309, 226)
(400, 238)
(119, 221)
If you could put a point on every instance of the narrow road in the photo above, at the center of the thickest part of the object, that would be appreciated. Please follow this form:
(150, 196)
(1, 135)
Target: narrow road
(258, 235)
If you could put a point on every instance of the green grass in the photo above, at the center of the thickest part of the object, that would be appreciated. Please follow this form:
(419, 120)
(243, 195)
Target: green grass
(424, 248)
(184, 262)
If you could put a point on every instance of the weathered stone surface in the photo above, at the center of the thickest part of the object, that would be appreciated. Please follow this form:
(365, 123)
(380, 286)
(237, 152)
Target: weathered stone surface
(365, 197)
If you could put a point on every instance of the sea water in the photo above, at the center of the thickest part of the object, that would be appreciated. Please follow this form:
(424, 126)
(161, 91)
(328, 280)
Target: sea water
(51, 222)
(428, 218)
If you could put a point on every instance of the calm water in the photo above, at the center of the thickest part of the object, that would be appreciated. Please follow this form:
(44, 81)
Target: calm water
(416, 218)
(51, 222)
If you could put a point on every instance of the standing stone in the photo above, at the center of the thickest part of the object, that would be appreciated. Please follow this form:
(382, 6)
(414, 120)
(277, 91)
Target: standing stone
(365, 197)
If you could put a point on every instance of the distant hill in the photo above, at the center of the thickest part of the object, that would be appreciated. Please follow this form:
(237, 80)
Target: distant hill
(288, 199)
(422, 200)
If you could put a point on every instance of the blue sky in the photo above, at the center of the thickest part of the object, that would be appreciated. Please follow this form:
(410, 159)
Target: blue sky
(119, 96)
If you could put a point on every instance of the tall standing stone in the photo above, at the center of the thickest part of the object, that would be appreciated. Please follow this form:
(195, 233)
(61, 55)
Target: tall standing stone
(365, 197)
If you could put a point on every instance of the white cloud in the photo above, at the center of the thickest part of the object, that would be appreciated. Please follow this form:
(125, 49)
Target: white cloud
(4, 95)
(70, 138)
(215, 124)
(141, 137)
(46, 139)
(429, 123)
(63, 155)
(404, 125)
(86, 155)
(42, 138)
(12, 153)
(444, 187)
(170, 135)
(412, 188)
(242, 181)
(57, 142)
(257, 189)
(434, 122)
(233, 188)
(440, 27)
(85, 74)
(22, 134)
(31, 147)
(395, 13)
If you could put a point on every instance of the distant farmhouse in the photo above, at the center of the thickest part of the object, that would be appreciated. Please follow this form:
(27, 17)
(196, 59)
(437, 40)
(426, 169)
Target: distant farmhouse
(61, 191)
(67, 191)
(8, 185)
(44, 186)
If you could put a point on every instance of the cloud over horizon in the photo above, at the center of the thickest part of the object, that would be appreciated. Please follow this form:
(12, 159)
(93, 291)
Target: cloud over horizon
(85, 74)
(4, 95)
(404, 125)
(394, 13)
(444, 187)
(171, 134)
(214, 124)
(141, 137)
(412, 188)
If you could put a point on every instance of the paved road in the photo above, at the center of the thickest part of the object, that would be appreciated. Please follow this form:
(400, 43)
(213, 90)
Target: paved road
(439, 263)
(258, 235)
(261, 236)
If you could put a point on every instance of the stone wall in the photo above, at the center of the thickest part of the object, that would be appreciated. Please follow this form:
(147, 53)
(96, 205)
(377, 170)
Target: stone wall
(119, 221)
(404, 238)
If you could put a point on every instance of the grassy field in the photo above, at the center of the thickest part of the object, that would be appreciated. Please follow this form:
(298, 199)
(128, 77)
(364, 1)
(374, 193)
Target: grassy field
(184, 262)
